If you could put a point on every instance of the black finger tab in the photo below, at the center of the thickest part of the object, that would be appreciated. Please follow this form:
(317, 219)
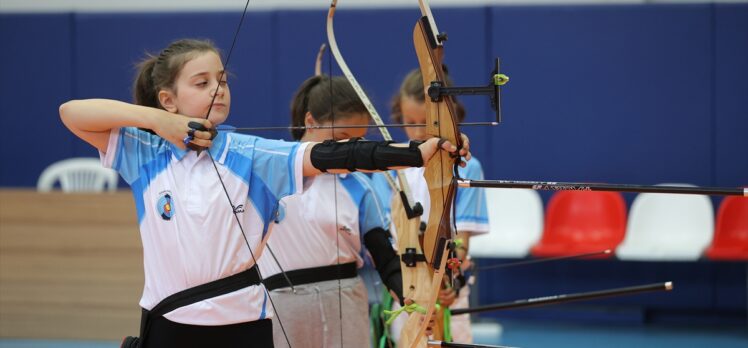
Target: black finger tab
(196, 126)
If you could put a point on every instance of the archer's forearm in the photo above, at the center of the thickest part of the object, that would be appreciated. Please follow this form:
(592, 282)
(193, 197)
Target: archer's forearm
(101, 115)
(93, 119)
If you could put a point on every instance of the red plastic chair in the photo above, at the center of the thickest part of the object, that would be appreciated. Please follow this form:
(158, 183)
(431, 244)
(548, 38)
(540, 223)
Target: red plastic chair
(582, 221)
(731, 233)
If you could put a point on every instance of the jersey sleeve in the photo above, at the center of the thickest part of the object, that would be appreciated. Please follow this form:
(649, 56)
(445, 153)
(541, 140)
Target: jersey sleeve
(278, 167)
(471, 214)
(131, 149)
(272, 169)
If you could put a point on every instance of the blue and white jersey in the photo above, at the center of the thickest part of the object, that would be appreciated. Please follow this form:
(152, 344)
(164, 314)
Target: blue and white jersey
(189, 234)
(325, 224)
(471, 214)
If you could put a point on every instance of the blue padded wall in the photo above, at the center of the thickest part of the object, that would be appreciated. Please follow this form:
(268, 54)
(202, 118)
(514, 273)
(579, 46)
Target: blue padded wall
(36, 69)
(731, 94)
(605, 93)
(631, 94)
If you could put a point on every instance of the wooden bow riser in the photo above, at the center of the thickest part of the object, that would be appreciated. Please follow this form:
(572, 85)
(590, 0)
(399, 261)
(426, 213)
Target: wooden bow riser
(439, 174)
(414, 277)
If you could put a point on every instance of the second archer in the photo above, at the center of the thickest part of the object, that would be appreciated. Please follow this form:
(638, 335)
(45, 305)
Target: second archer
(319, 234)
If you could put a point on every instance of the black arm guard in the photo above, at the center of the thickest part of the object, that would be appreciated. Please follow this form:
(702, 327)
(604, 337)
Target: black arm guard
(377, 241)
(356, 155)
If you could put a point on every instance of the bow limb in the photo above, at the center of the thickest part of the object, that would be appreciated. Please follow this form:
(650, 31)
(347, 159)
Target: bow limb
(318, 62)
(439, 173)
(405, 215)
(403, 189)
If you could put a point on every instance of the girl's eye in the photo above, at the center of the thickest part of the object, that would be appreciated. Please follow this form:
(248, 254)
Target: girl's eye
(224, 82)
(202, 83)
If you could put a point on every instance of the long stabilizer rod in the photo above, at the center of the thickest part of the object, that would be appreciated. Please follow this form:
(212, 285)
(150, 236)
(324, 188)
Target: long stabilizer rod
(547, 259)
(433, 343)
(576, 186)
(556, 299)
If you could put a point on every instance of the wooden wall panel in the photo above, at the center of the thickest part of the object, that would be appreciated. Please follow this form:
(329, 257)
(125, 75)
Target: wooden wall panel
(70, 265)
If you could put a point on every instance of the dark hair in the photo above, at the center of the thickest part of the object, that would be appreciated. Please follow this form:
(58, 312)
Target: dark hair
(412, 87)
(324, 98)
(159, 72)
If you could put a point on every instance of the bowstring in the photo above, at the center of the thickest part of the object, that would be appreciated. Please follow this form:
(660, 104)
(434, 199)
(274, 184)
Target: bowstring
(223, 185)
(335, 194)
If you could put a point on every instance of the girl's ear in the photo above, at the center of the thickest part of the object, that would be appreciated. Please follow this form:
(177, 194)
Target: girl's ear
(309, 120)
(166, 98)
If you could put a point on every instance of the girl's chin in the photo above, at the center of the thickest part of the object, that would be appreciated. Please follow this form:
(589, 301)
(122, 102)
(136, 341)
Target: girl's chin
(217, 118)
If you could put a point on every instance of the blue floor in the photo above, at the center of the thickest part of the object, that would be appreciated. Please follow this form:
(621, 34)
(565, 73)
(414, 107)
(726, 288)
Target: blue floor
(529, 334)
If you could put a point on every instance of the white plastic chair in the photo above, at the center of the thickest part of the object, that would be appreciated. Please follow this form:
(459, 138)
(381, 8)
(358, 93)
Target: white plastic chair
(78, 175)
(668, 227)
(515, 217)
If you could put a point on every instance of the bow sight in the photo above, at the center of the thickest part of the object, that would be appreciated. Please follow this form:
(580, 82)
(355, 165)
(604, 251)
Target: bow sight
(438, 89)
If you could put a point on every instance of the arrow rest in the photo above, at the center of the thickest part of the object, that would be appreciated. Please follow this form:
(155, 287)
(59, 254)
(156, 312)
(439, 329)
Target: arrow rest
(412, 212)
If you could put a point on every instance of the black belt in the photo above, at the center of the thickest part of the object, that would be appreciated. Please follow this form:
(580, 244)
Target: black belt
(192, 295)
(205, 291)
(311, 275)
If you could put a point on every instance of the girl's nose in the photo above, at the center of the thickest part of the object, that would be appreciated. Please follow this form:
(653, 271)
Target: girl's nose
(220, 90)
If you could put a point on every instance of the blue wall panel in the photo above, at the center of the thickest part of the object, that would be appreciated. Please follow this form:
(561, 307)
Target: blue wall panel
(731, 94)
(605, 93)
(637, 94)
(297, 38)
(36, 69)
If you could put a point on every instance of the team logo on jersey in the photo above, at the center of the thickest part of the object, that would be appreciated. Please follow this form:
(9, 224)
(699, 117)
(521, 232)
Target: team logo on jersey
(165, 206)
(345, 229)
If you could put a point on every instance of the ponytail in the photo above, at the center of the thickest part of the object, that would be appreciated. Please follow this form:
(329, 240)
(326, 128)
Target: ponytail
(300, 105)
(144, 91)
(324, 97)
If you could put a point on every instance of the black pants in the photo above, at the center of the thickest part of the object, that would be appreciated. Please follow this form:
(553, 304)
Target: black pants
(167, 334)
